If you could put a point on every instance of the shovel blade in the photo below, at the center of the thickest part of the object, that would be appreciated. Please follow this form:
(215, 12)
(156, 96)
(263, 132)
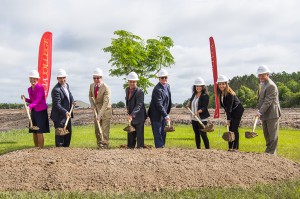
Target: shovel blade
(61, 131)
(169, 129)
(250, 134)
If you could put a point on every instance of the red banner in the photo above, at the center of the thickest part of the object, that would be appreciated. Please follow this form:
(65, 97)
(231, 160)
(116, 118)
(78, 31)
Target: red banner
(215, 74)
(45, 61)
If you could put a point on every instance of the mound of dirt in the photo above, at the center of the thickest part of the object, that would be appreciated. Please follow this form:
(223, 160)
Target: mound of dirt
(119, 170)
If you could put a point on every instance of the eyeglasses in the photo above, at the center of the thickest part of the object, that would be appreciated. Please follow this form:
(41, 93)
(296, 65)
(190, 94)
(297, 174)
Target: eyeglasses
(164, 77)
(61, 78)
(131, 82)
(97, 77)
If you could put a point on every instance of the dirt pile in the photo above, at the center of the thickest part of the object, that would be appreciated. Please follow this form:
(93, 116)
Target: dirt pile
(16, 118)
(119, 170)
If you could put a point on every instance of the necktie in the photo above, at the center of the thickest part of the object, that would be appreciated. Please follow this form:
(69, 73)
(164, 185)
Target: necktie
(96, 91)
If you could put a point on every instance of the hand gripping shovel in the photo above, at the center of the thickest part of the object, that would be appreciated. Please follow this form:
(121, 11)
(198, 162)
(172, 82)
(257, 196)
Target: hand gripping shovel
(169, 127)
(31, 127)
(252, 134)
(207, 128)
(129, 128)
(102, 141)
(64, 131)
(228, 136)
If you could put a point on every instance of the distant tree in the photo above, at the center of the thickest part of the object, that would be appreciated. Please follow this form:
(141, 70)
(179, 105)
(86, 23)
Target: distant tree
(179, 106)
(130, 52)
(120, 104)
(247, 96)
(185, 102)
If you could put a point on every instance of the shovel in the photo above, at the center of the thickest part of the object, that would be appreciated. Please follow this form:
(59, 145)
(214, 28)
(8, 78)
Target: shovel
(229, 135)
(169, 127)
(103, 142)
(64, 131)
(129, 128)
(252, 134)
(207, 128)
(31, 127)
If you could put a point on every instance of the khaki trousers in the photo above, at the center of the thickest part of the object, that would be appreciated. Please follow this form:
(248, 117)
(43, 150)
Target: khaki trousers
(105, 127)
(271, 131)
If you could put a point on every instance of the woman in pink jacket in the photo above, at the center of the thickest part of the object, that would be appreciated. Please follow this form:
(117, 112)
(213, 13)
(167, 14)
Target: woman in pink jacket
(38, 107)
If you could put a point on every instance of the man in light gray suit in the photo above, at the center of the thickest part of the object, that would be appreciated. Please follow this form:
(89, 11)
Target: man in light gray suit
(268, 108)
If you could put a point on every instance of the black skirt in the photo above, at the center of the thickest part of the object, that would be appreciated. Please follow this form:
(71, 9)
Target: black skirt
(41, 120)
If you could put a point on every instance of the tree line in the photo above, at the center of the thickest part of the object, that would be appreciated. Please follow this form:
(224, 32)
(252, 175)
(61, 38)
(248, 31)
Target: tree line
(246, 88)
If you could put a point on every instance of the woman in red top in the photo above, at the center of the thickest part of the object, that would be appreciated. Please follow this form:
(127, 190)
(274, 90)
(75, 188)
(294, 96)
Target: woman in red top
(38, 108)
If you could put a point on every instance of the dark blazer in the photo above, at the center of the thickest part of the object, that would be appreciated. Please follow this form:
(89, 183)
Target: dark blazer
(203, 101)
(60, 104)
(268, 101)
(160, 105)
(135, 105)
(232, 106)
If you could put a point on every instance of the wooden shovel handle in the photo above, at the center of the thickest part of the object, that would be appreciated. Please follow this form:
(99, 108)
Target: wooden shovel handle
(96, 115)
(196, 117)
(28, 114)
(255, 122)
(71, 110)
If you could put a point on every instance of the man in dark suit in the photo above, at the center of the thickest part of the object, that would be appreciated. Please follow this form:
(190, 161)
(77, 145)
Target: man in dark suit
(268, 108)
(62, 100)
(160, 107)
(136, 111)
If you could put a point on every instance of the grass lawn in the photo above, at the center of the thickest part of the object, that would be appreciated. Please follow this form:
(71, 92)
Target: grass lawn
(183, 137)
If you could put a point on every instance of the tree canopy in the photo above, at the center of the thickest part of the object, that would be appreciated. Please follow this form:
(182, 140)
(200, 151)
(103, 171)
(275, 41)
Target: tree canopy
(246, 88)
(130, 53)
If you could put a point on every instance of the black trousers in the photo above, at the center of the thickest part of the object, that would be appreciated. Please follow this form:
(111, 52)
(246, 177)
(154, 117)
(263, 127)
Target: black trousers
(198, 133)
(136, 137)
(63, 140)
(234, 127)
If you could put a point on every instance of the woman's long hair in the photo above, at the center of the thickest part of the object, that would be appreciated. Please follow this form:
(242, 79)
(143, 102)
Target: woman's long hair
(226, 91)
(204, 90)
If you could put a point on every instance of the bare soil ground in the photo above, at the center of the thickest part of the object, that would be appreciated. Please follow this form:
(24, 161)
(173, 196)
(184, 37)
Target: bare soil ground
(17, 119)
(120, 170)
(139, 170)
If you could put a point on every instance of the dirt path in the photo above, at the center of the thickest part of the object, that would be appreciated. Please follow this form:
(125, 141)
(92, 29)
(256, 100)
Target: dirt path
(119, 170)
(16, 118)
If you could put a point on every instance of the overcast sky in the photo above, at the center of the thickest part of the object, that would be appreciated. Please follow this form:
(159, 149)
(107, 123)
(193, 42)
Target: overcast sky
(246, 33)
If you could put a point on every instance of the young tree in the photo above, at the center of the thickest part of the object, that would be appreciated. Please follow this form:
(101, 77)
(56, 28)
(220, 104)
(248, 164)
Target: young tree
(130, 53)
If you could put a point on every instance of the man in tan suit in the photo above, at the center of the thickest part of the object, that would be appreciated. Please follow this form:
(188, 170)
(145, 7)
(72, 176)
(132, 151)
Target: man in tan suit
(101, 93)
(268, 108)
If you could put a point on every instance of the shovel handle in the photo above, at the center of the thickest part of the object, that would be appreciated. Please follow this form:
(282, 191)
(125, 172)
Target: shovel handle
(195, 117)
(28, 114)
(72, 107)
(168, 123)
(93, 102)
(96, 115)
(227, 126)
(255, 122)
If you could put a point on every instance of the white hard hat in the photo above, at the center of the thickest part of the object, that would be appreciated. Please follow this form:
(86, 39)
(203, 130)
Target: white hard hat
(222, 78)
(199, 82)
(98, 72)
(34, 74)
(162, 73)
(132, 76)
(263, 69)
(61, 73)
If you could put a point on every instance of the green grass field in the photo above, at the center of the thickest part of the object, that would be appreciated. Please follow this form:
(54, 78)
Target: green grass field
(183, 137)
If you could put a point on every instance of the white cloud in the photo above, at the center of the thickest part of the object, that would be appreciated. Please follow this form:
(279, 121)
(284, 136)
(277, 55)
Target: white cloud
(246, 34)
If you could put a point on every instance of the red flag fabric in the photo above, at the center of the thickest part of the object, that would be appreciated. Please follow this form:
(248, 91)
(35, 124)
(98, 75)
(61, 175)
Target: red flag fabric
(215, 74)
(45, 61)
